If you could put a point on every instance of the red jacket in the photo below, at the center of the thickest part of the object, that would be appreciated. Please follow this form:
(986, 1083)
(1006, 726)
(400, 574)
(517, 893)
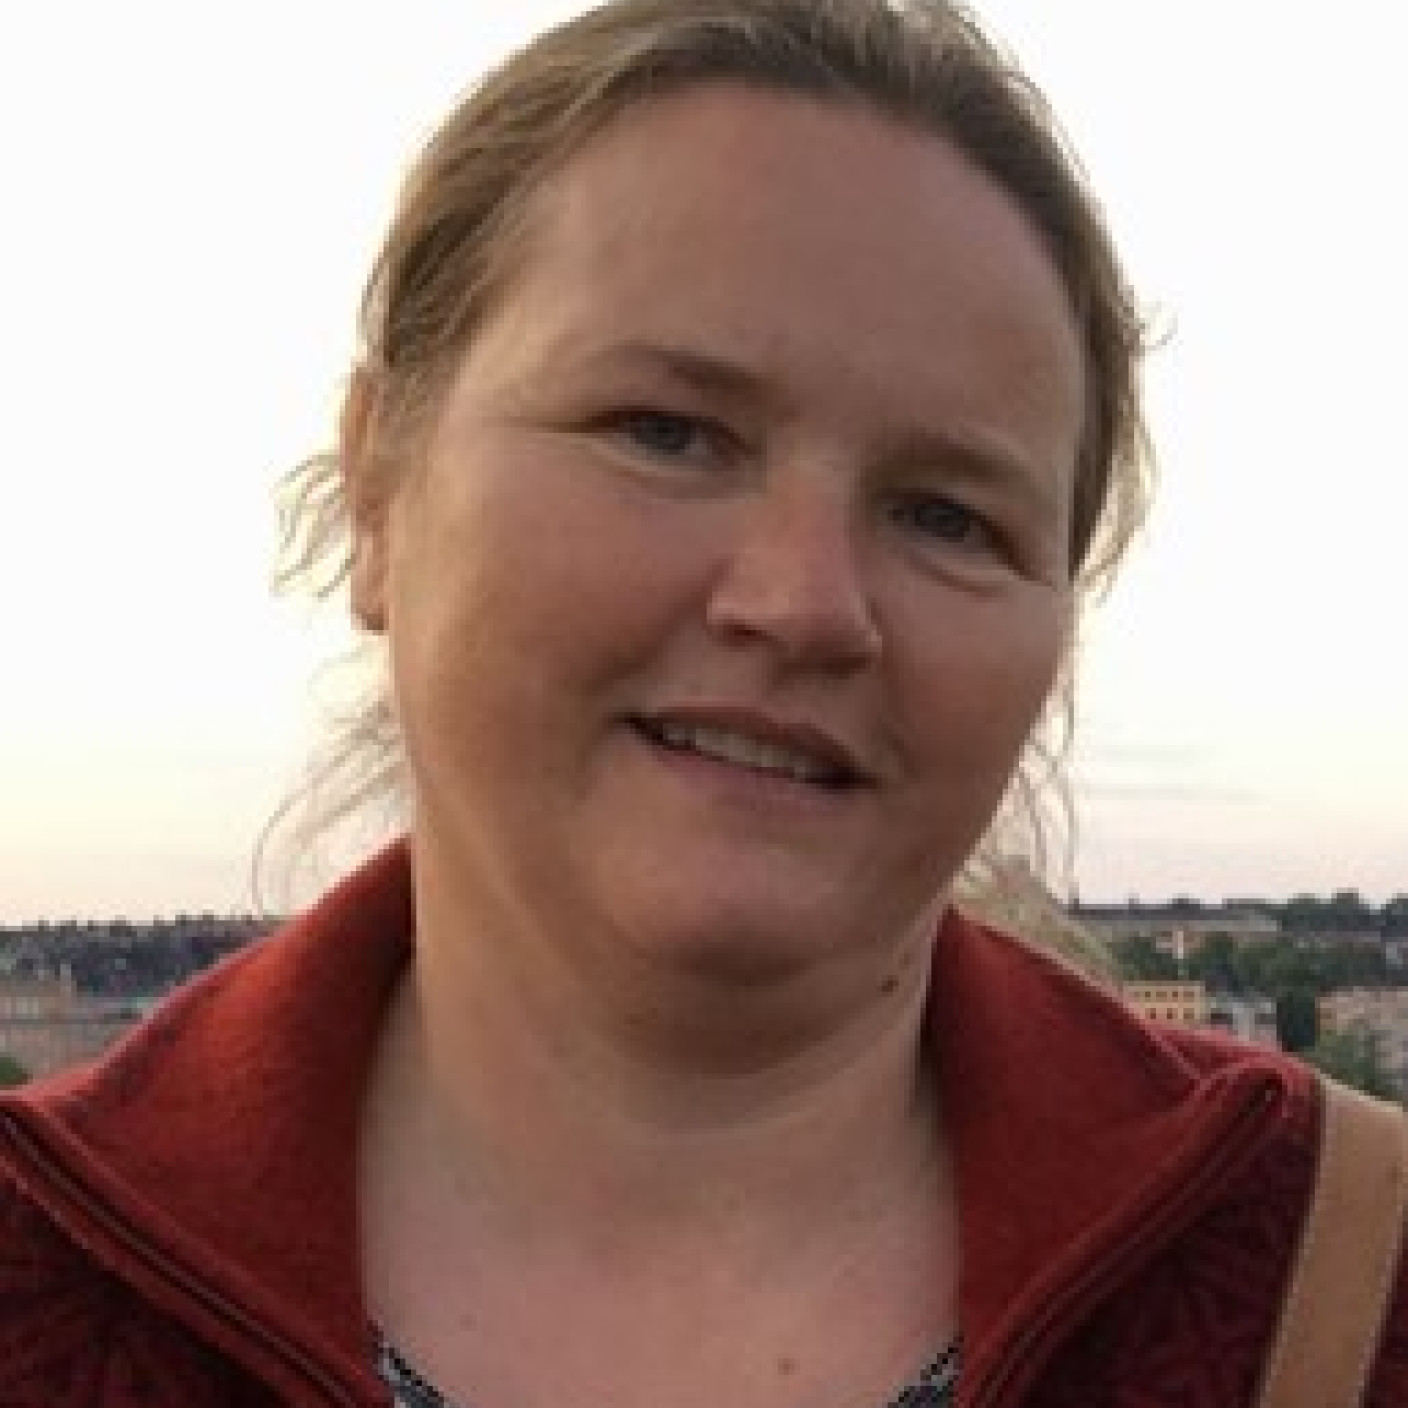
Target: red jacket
(178, 1225)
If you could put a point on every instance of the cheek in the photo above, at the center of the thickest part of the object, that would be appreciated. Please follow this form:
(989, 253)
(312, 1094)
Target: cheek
(516, 591)
(979, 688)
(445, 597)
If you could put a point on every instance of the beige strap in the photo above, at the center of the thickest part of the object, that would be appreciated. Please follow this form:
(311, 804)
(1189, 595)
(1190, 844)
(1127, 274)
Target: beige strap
(1347, 1263)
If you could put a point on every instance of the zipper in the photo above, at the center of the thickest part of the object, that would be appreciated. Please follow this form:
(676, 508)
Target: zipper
(64, 1190)
(1161, 1221)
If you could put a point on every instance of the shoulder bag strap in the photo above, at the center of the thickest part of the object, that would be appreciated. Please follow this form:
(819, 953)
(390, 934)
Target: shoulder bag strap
(1347, 1263)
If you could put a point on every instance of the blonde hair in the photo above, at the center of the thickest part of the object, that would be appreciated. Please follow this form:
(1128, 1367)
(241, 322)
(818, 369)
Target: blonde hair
(450, 250)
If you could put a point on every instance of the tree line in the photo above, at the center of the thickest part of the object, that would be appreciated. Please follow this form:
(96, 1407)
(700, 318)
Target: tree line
(1249, 969)
(1343, 912)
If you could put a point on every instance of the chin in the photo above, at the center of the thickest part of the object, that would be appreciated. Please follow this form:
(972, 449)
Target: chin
(742, 944)
(743, 960)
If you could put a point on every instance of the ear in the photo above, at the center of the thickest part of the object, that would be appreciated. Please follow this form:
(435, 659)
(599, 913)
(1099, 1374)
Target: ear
(366, 501)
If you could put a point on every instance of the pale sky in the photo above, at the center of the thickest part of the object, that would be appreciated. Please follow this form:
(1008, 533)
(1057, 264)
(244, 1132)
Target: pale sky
(192, 194)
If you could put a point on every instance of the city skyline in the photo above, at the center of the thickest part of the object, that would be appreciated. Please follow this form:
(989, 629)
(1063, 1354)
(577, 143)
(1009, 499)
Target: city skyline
(193, 208)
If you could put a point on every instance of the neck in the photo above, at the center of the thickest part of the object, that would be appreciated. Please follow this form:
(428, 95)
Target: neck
(670, 1105)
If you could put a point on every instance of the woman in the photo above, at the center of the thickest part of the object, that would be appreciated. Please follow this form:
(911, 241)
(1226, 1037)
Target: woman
(748, 400)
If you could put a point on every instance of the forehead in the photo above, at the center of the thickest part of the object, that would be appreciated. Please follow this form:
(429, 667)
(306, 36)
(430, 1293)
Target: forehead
(820, 235)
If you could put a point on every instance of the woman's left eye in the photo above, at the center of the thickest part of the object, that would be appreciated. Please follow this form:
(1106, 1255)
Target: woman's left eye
(666, 435)
(946, 520)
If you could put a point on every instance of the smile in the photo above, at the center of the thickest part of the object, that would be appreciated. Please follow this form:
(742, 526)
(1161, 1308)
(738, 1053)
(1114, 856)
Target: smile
(774, 757)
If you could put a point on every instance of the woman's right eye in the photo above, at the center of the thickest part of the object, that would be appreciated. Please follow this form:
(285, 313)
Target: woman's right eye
(666, 435)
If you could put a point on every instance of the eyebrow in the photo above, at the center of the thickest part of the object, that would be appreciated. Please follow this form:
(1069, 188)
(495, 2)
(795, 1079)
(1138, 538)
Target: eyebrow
(701, 370)
(971, 456)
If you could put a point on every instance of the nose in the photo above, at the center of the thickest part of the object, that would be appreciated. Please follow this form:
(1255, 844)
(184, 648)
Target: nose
(794, 576)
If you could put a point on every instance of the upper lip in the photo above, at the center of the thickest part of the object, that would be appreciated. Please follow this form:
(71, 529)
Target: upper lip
(797, 735)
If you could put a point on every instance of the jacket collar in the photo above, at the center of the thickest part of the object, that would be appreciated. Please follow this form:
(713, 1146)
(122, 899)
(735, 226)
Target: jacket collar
(1084, 1139)
(225, 1129)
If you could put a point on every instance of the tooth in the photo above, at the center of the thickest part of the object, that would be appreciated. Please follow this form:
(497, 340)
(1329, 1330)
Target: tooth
(748, 752)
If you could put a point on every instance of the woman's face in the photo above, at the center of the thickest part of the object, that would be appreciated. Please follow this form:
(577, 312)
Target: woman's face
(737, 573)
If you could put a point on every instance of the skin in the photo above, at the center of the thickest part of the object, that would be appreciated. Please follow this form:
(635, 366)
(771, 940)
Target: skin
(775, 433)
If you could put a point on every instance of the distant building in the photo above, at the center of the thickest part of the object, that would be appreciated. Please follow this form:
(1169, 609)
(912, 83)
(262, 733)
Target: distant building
(1250, 1019)
(1180, 1002)
(68, 990)
(26, 998)
(1380, 1011)
(47, 1026)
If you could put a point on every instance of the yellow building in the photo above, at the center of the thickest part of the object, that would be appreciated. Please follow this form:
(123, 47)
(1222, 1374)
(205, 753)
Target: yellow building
(1185, 1003)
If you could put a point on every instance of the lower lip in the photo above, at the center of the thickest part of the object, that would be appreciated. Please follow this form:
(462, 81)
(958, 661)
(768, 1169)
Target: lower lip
(751, 786)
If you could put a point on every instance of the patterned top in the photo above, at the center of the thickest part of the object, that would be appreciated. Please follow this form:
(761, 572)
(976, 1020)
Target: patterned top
(934, 1387)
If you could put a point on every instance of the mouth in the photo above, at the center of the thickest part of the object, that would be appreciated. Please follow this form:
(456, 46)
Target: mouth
(799, 755)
